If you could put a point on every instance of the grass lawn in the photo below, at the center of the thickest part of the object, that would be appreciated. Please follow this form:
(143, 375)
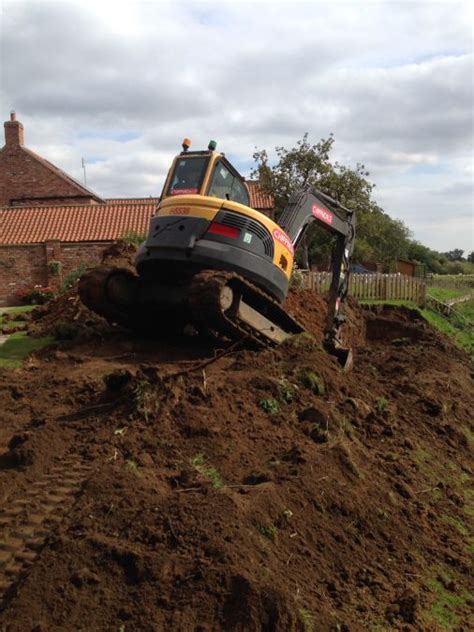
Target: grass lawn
(17, 310)
(9, 311)
(18, 346)
(446, 293)
(466, 309)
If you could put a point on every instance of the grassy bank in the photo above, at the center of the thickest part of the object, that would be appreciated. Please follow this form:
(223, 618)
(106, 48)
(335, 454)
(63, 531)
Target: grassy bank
(461, 333)
(446, 293)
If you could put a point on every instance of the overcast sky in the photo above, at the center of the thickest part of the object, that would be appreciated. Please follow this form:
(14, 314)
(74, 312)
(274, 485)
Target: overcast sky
(121, 84)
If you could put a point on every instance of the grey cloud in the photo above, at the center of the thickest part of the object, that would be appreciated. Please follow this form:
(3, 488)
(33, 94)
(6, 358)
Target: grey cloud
(392, 81)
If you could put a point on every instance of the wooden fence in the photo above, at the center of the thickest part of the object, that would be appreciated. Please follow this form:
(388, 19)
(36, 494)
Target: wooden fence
(374, 286)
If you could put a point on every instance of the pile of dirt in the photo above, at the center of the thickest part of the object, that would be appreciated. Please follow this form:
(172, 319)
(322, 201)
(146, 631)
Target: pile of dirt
(120, 254)
(169, 486)
(310, 309)
(67, 318)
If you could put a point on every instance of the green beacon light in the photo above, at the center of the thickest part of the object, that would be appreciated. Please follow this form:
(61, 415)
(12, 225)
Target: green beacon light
(212, 145)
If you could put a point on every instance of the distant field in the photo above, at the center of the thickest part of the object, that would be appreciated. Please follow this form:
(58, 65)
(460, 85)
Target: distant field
(451, 281)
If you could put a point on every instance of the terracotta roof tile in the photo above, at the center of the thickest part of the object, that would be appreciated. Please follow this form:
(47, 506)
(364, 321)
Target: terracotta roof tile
(142, 200)
(99, 222)
(258, 199)
(89, 222)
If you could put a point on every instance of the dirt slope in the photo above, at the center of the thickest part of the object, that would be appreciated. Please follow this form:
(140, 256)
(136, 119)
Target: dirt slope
(144, 487)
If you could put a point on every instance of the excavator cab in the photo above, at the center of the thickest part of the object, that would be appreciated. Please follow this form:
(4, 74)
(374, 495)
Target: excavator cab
(205, 173)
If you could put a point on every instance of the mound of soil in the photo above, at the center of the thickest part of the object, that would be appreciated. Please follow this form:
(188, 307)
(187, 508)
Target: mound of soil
(169, 486)
(67, 318)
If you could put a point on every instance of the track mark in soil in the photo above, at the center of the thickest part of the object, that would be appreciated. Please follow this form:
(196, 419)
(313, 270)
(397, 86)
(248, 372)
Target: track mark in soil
(28, 520)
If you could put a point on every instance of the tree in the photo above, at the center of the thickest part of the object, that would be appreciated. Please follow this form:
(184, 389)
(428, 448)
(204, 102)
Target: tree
(455, 255)
(379, 238)
(470, 257)
(303, 165)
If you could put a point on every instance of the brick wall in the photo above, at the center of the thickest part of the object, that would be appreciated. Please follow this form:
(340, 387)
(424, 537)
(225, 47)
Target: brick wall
(22, 177)
(25, 266)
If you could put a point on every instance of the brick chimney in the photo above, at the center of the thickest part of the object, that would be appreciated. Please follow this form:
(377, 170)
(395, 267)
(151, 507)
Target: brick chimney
(14, 133)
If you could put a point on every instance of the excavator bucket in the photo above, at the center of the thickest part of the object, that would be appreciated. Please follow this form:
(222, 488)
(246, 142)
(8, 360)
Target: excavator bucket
(343, 355)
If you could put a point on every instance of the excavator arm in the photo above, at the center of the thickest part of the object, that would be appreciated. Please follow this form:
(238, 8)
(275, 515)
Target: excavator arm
(304, 208)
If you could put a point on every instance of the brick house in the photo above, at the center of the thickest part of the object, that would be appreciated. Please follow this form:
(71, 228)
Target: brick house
(45, 216)
(27, 179)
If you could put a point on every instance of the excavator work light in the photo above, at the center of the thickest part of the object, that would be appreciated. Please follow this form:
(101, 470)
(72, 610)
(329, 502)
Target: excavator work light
(212, 145)
(186, 144)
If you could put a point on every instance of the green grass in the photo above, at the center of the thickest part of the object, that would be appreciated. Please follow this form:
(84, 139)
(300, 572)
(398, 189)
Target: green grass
(10, 324)
(307, 619)
(446, 608)
(455, 280)
(396, 302)
(202, 465)
(446, 293)
(463, 338)
(4, 311)
(18, 346)
(270, 406)
(17, 310)
(269, 531)
(466, 309)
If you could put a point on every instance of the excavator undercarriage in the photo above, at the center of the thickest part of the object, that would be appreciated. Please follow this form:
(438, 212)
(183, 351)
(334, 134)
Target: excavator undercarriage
(210, 301)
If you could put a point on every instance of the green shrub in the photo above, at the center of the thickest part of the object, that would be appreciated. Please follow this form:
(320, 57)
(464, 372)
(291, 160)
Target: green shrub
(133, 238)
(270, 406)
(312, 381)
(71, 279)
(55, 267)
(36, 295)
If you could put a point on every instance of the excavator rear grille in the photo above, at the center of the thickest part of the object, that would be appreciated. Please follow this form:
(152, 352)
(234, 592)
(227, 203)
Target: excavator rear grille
(251, 226)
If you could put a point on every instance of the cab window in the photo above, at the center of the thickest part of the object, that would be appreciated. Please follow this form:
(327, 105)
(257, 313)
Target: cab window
(188, 176)
(227, 186)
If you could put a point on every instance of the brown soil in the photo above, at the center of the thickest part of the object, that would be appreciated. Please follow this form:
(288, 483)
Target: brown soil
(146, 486)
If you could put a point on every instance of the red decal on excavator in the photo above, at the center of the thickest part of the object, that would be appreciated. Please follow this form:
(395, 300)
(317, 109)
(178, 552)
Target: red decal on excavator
(184, 191)
(322, 213)
(180, 210)
(283, 239)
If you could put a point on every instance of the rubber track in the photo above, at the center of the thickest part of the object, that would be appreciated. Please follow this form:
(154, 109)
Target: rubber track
(31, 518)
(91, 291)
(205, 305)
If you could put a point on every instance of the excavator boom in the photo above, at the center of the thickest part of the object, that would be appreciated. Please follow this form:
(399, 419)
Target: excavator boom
(313, 206)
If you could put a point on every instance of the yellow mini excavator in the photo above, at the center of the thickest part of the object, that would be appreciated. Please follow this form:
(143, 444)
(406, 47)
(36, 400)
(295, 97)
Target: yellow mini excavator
(212, 261)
